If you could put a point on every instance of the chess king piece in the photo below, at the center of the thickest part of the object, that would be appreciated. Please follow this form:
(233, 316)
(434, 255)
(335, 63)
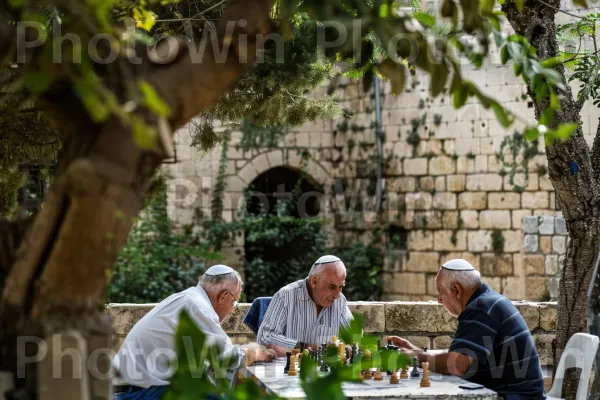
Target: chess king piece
(404, 373)
(342, 353)
(415, 370)
(287, 362)
(292, 371)
(378, 375)
(394, 378)
(425, 378)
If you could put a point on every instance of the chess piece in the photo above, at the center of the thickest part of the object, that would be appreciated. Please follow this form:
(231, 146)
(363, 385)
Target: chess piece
(404, 373)
(368, 374)
(342, 353)
(334, 339)
(287, 362)
(425, 378)
(415, 370)
(378, 375)
(394, 378)
(292, 371)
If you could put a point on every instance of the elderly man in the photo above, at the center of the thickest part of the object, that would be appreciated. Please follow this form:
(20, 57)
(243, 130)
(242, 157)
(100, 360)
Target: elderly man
(143, 362)
(307, 312)
(492, 345)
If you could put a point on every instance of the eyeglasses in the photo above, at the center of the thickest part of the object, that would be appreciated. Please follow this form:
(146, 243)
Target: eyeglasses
(235, 302)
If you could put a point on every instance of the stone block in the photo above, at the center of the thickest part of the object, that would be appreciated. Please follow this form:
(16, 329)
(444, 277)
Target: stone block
(481, 164)
(494, 219)
(275, 158)
(535, 200)
(513, 288)
(554, 288)
(494, 282)
(426, 184)
(546, 225)
(234, 323)
(450, 220)
(479, 241)
(442, 165)
(420, 240)
(444, 201)
(559, 244)
(504, 201)
(420, 317)
(373, 314)
(519, 180)
(472, 258)
(531, 224)
(441, 342)
(261, 163)
(419, 201)
(415, 166)
(470, 219)
(496, 265)
(440, 183)
(484, 182)
(431, 288)
(409, 283)
(545, 183)
(551, 265)
(536, 288)
(546, 244)
(560, 226)
(443, 240)
(125, 316)
(512, 241)
(534, 264)
(455, 183)
(530, 313)
(406, 184)
(517, 218)
(421, 342)
(530, 243)
(423, 261)
(472, 201)
(548, 317)
(543, 345)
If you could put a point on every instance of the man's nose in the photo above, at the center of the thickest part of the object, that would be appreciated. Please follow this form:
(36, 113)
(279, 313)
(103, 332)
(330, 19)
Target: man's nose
(440, 299)
(337, 292)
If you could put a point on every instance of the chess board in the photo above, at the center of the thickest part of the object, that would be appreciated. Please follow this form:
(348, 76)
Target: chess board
(271, 378)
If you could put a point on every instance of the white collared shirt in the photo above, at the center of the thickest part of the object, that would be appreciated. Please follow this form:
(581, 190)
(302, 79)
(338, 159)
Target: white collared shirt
(145, 355)
(292, 318)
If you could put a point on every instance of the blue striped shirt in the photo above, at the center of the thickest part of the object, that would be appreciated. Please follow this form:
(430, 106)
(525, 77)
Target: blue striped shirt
(492, 331)
(292, 318)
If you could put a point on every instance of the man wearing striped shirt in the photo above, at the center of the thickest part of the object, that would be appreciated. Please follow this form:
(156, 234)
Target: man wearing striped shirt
(307, 312)
(492, 346)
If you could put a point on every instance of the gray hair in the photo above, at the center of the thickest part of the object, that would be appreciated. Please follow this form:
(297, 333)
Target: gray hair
(316, 269)
(218, 283)
(466, 279)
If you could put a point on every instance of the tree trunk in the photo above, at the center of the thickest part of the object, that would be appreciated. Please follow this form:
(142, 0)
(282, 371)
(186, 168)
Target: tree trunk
(576, 189)
(57, 282)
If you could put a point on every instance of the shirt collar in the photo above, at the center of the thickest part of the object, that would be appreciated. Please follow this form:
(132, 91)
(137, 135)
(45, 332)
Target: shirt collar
(478, 292)
(305, 295)
(212, 314)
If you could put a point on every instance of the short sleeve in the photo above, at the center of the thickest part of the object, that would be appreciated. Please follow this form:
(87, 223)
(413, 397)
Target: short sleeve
(475, 335)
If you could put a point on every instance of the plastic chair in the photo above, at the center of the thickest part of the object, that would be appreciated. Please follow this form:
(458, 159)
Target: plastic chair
(580, 352)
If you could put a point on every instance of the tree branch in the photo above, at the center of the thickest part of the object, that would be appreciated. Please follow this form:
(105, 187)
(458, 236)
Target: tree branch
(585, 93)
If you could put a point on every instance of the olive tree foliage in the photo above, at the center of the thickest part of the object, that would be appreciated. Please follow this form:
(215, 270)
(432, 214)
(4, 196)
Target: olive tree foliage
(114, 104)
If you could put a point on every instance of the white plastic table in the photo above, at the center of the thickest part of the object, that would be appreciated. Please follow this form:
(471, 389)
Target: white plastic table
(271, 378)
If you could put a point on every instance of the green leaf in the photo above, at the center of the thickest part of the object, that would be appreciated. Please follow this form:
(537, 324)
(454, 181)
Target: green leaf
(460, 96)
(143, 135)
(547, 117)
(504, 55)
(531, 134)
(439, 77)
(563, 132)
(97, 109)
(352, 334)
(395, 72)
(37, 82)
(152, 100)
(520, 5)
(582, 3)
(424, 18)
(384, 11)
(553, 62)
(501, 115)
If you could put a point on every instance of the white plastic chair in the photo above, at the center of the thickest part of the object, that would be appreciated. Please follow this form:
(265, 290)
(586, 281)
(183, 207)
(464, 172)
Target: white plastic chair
(580, 352)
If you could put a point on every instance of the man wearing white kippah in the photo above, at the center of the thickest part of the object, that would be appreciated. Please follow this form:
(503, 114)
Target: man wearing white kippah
(492, 346)
(143, 361)
(307, 312)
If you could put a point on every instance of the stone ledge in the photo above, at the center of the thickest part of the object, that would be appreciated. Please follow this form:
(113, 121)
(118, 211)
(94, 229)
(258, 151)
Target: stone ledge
(420, 318)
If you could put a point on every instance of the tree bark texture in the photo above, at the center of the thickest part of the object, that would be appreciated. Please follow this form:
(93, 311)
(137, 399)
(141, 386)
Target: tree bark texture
(577, 189)
(57, 281)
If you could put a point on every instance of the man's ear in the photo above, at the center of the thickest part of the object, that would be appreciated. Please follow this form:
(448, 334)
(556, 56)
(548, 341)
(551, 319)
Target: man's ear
(313, 281)
(457, 289)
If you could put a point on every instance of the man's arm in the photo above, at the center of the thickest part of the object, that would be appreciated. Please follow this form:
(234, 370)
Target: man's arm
(273, 328)
(449, 363)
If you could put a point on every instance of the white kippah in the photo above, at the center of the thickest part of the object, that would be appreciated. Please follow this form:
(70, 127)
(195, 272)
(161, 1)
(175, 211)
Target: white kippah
(219, 269)
(458, 265)
(327, 260)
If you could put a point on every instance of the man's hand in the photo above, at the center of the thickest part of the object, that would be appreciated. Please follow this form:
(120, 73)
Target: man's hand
(402, 343)
(257, 353)
(279, 350)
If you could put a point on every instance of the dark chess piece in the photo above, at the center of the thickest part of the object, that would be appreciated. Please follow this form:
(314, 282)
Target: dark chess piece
(287, 362)
(354, 353)
(347, 351)
(415, 371)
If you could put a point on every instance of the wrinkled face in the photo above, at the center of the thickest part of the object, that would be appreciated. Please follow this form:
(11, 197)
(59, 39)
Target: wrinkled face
(449, 297)
(227, 300)
(327, 286)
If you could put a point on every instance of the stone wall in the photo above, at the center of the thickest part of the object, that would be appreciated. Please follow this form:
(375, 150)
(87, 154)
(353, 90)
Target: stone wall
(426, 324)
(444, 186)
